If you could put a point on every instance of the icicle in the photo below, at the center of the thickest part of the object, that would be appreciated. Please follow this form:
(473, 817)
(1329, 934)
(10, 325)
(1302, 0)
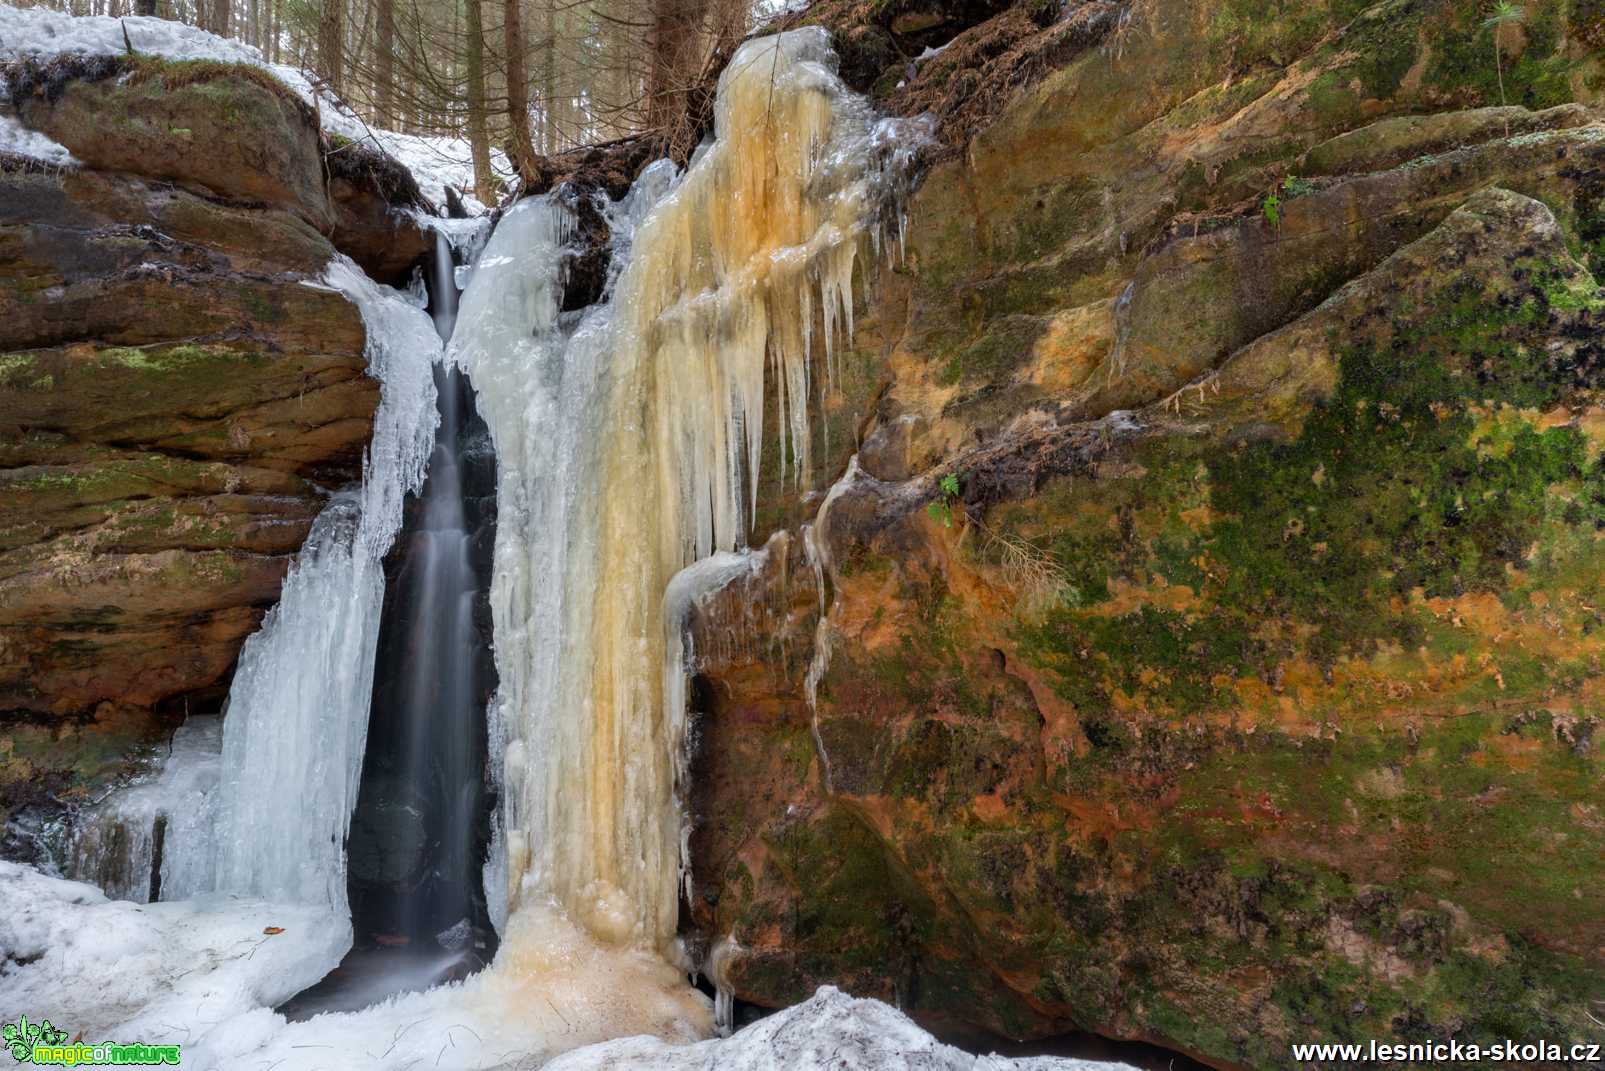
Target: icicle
(689, 586)
(725, 950)
(631, 445)
(140, 842)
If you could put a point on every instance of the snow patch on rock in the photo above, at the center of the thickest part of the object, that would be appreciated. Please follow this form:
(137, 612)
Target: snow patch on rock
(18, 140)
(37, 32)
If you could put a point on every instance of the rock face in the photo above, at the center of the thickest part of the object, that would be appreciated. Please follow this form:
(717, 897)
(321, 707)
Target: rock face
(173, 396)
(1241, 685)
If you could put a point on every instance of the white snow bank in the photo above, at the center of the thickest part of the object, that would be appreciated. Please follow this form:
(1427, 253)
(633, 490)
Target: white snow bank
(569, 991)
(830, 1030)
(40, 32)
(158, 973)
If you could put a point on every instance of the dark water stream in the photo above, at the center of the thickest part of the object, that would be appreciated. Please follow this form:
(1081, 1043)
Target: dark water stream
(421, 826)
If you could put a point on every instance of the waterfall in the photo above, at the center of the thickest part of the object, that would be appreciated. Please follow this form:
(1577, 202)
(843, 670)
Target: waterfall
(416, 843)
(628, 437)
(629, 441)
(268, 818)
(297, 715)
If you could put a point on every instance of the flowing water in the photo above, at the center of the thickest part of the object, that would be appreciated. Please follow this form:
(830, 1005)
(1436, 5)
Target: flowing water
(420, 831)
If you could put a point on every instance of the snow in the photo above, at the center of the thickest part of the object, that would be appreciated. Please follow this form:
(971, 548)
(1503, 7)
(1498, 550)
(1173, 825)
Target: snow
(205, 974)
(37, 32)
(20, 141)
(829, 1030)
(159, 973)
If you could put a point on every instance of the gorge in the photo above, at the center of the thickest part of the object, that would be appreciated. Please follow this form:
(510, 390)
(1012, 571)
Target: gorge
(1055, 518)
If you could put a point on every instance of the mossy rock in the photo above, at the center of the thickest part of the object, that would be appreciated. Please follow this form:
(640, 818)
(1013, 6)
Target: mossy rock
(231, 129)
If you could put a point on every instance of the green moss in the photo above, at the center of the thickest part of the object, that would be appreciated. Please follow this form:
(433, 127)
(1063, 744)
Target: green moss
(175, 74)
(1252, 32)
(1211, 858)
(168, 359)
(852, 899)
(14, 367)
(1333, 99)
(992, 359)
(1163, 655)
(1395, 485)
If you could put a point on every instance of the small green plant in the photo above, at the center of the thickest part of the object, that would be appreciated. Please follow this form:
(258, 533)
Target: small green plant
(1272, 209)
(1294, 186)
(941, 510)
(1504, 14)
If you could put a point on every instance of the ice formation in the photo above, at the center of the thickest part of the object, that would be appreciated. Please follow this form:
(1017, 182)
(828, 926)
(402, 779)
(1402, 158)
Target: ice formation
(542, 387)
(128, 845)
(816, 548)
(722, 280)
(297, 715)
(38, 31)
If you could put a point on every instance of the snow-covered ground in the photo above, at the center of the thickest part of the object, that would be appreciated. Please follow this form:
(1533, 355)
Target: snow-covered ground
(206, 973)
(161, 973)
(435, 162)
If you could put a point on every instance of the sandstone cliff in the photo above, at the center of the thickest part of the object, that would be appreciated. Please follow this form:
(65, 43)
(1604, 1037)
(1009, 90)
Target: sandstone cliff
(173, 398)
(1240, 686)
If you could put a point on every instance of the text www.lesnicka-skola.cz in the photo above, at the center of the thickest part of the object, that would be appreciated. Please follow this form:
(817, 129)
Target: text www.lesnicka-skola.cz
(1450, 1052)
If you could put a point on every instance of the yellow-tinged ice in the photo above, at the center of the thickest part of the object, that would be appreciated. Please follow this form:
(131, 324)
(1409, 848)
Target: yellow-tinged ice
(628, 448)
(722, 287)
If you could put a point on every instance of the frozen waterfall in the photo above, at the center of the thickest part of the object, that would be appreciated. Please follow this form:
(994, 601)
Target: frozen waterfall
(297, 715)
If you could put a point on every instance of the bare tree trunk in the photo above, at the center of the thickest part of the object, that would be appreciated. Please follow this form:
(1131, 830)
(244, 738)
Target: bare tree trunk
(331, 42)
(676, 44)
(145, 7)
(478, 133)
(518, 88)
(221, 17)
(549, 136)
(385, 63)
